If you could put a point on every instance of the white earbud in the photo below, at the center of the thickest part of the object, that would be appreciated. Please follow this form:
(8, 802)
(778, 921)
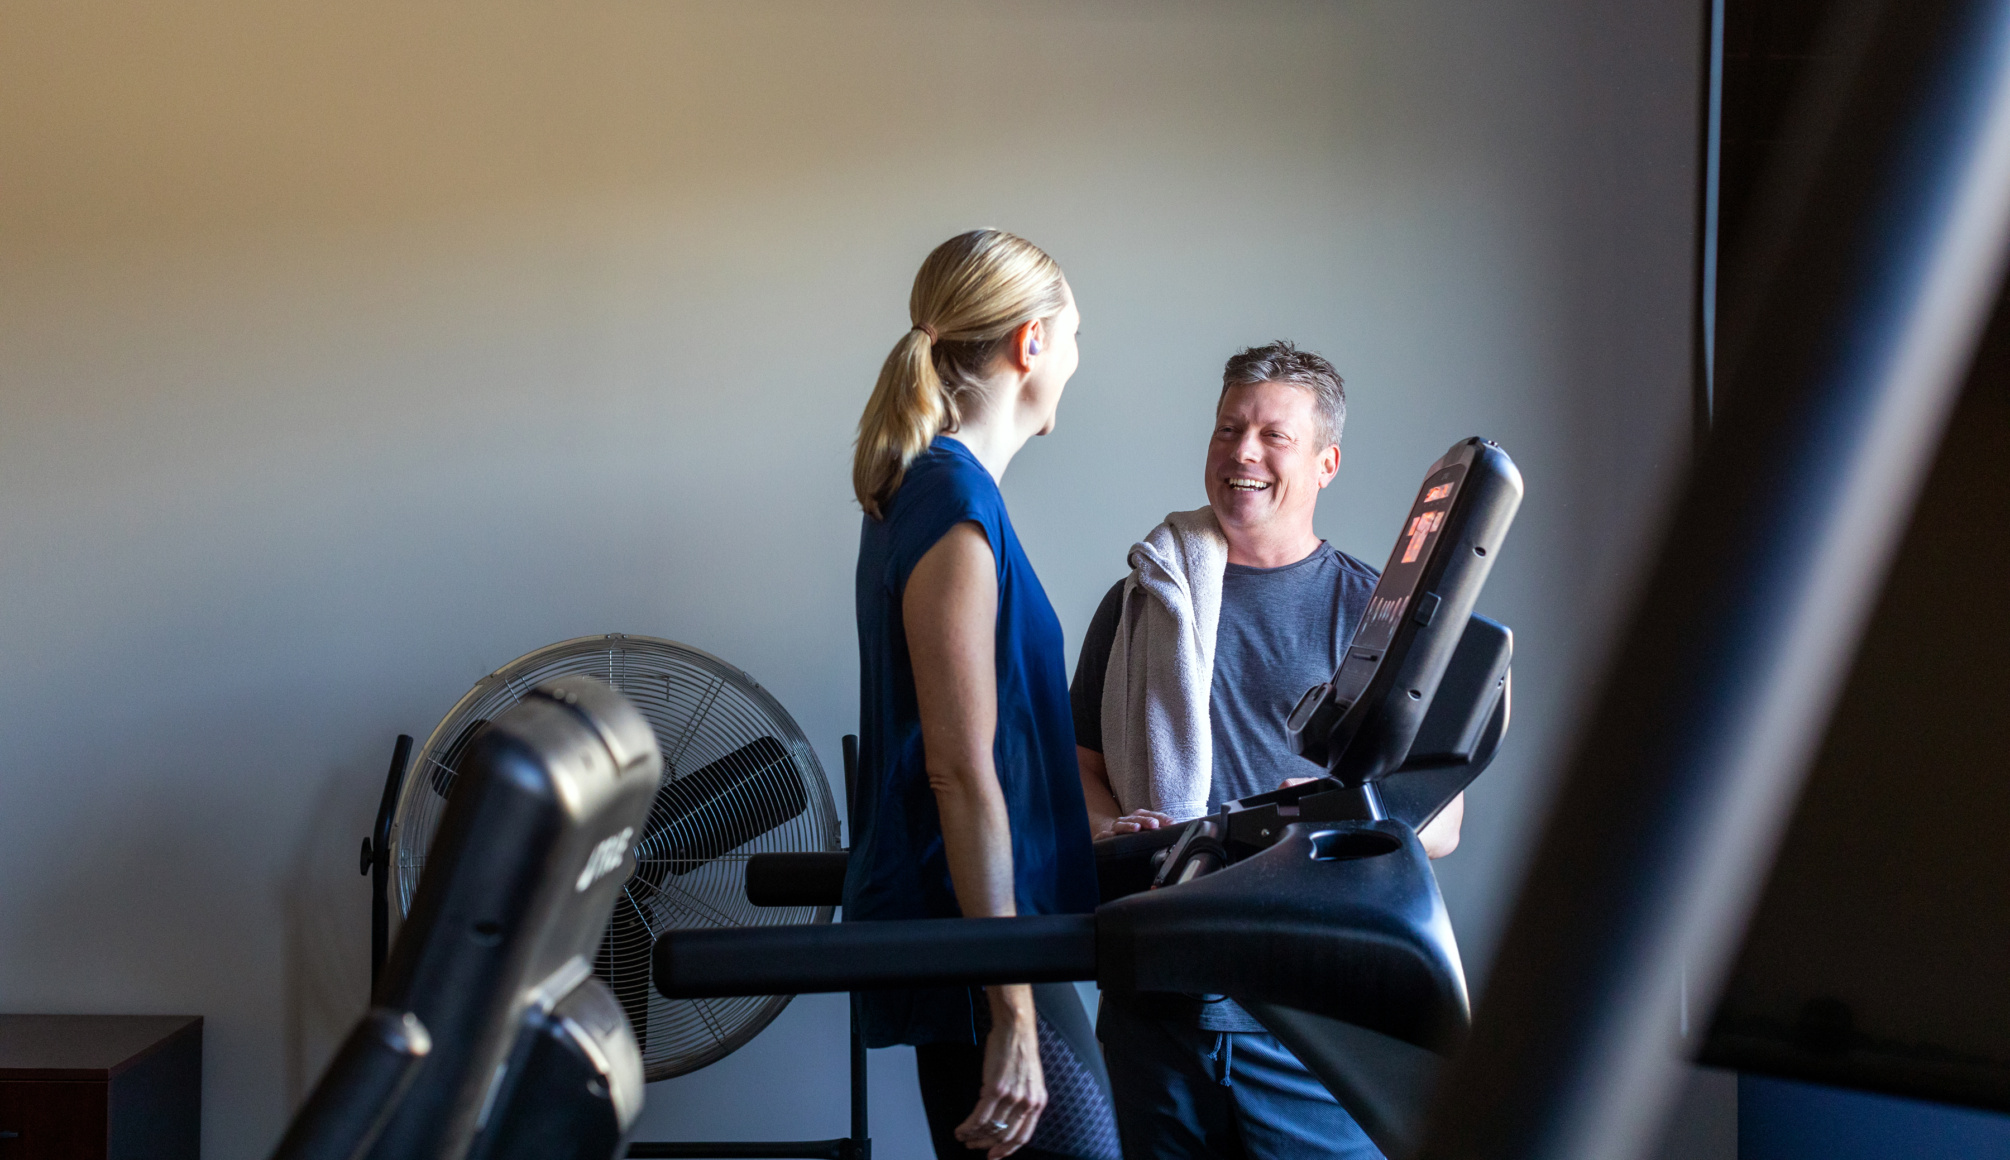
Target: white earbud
(1033, 347)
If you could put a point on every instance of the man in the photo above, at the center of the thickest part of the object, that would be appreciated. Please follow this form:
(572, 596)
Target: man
(1187, 673)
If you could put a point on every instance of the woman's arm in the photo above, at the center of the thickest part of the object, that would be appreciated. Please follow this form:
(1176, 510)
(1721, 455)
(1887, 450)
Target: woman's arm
(1106, 817)
(950, 612)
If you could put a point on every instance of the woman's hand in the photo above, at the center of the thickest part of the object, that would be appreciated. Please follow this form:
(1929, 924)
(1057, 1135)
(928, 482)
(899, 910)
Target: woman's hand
(1015, 1091)
(1133, 822)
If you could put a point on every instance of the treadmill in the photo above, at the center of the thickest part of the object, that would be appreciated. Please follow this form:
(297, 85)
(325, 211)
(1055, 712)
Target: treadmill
(1314, 907)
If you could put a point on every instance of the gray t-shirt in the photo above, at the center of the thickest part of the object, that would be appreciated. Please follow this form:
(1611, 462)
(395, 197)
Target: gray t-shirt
(1282, 631)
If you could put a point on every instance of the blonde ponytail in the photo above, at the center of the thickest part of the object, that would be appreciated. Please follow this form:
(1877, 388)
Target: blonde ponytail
(971, 294)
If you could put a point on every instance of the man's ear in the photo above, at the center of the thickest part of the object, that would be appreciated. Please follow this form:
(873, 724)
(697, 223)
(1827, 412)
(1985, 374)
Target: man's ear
(1329, 464)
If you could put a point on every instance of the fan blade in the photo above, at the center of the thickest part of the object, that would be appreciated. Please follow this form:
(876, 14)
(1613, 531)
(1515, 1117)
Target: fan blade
(719, 807)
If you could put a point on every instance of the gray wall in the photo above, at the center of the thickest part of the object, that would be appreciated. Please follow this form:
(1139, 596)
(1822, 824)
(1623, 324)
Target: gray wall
(348, 352)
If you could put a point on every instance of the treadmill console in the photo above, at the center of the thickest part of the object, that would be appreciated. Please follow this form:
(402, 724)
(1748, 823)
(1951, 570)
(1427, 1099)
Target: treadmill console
(1422, 691)
(1359, 726)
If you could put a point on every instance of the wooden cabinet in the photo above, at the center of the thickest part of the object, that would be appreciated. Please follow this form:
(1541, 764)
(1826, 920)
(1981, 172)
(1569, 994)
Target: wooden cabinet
(100, 1087)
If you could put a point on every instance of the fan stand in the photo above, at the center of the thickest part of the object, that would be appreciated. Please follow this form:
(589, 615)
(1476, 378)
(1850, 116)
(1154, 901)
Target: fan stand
(376, 863)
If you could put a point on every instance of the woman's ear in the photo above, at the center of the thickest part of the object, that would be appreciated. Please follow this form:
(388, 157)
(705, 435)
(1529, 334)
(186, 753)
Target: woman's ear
(1027, 342)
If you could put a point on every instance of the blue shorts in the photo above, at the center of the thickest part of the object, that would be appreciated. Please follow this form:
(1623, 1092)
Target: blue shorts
(1182, 1093)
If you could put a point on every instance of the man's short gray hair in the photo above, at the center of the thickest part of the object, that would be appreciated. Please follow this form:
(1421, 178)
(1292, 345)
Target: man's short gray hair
(1283, 362)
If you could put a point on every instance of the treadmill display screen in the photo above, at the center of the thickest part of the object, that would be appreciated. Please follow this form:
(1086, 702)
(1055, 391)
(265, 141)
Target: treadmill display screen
(1398, 586)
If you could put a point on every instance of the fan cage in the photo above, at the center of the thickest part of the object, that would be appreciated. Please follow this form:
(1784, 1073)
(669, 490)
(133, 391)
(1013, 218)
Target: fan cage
(717, 728)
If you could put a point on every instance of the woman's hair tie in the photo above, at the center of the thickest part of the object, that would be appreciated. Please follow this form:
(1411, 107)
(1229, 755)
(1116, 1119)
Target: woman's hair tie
(928, 330)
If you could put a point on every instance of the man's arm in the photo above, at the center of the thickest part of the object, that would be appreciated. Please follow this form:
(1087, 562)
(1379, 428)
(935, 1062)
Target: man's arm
(1096, 792)
(1440, 835)
(1085, 698)
(1106, 818)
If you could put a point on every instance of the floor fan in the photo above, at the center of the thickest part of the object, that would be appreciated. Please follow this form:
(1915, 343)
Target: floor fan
(739, 779)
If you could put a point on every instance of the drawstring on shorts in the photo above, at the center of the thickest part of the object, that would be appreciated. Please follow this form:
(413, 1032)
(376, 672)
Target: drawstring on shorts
(1223, 1057)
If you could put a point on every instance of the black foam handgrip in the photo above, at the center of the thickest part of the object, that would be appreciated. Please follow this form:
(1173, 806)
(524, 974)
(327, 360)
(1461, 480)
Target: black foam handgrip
(1124, 865)
(854, 956)
(724, 805)
(797, 879)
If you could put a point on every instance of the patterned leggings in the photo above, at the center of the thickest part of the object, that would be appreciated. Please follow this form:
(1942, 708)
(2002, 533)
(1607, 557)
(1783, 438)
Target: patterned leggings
(1078, 1123)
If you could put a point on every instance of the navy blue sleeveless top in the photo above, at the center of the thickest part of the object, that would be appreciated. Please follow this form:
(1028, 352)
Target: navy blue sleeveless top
(898, 866)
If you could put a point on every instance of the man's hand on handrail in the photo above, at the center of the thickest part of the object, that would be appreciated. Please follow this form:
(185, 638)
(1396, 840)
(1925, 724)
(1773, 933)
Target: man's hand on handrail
(1107, 819)
(1132, 823)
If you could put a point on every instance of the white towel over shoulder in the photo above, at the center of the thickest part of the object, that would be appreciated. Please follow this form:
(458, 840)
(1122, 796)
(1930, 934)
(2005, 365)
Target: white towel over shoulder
(1156, 739)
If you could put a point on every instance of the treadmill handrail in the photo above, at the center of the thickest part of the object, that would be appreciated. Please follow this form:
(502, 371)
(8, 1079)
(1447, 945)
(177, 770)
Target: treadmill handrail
(857, 956)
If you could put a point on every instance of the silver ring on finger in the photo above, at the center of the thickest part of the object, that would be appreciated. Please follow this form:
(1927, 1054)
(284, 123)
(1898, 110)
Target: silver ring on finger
(998, 1125)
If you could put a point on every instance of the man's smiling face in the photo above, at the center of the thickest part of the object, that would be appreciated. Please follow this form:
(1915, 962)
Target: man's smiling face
(1266, 461)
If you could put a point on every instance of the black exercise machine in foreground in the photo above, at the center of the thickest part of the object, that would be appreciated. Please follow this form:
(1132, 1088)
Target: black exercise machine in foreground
(1313, 906)
(488, 1005)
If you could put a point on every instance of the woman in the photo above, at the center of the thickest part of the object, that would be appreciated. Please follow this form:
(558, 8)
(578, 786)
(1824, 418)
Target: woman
(969, 802)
